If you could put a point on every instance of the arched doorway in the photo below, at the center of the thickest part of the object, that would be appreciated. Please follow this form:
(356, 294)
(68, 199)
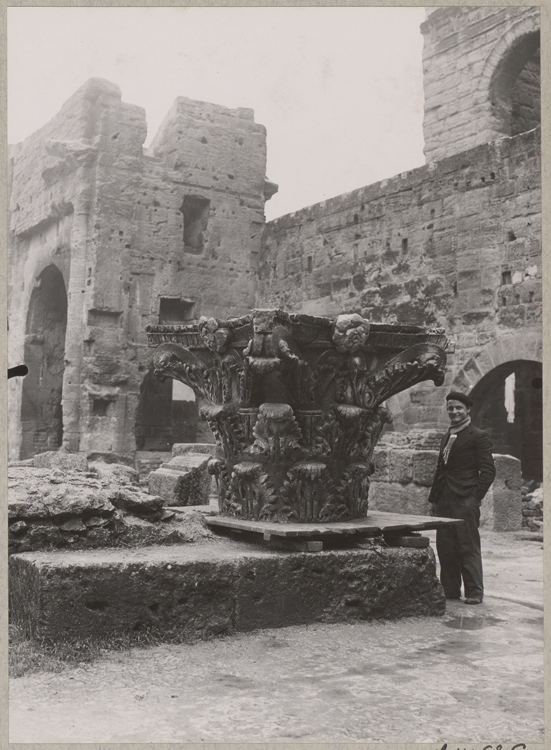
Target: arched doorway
(515, 89)
(41, 406)
(526, 97)
(167, 414)
(508, 405)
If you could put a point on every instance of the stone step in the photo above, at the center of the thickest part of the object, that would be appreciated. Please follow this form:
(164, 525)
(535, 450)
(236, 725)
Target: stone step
(217, 587)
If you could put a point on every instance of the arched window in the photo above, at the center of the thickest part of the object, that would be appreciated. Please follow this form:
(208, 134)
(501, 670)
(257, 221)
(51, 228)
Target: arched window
(167, 414)
(515, 90)
(526, 97)
(508, 405)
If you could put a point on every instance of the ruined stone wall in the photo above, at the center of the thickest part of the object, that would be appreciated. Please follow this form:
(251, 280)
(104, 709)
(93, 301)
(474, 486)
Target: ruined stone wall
(139, 238)
(456, 244)
(481, 76)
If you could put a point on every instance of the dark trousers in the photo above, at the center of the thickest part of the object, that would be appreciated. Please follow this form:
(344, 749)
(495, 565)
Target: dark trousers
(458, 548)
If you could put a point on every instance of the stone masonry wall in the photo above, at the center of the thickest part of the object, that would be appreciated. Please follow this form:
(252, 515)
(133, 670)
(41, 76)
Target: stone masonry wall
(471, 60)
(456, 244)
(403, 477)
(140, 238)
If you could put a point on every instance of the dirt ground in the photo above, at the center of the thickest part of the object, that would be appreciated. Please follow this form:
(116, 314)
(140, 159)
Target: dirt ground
(475, 675)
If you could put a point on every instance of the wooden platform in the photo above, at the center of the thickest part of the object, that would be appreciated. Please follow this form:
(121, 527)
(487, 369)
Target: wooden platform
(376, 523)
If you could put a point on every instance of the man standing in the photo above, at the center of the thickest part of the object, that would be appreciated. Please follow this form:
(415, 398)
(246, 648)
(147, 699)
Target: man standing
(463, 476)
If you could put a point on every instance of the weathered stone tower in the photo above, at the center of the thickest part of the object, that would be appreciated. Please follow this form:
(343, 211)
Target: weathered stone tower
(106, 238)
(456, 243)
(482, 76)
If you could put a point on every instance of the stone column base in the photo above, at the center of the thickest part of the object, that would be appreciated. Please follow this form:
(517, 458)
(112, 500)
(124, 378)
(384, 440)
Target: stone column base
(201, 590)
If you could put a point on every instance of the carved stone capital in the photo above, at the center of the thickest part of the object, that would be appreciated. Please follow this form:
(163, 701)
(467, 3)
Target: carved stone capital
(294, 404)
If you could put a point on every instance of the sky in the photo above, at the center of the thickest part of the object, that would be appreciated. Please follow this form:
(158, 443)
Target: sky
(339, 90)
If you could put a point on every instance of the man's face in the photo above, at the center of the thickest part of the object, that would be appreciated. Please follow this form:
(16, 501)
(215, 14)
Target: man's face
(457, 411)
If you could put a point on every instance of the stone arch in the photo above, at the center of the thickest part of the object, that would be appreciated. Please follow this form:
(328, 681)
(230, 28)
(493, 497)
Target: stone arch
(44, 354)
(513, 416)
(485, 373)
(527, 345)
(167, 413)
(510, 79)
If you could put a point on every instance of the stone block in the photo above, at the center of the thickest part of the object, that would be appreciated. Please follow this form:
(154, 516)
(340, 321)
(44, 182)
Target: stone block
(136, 502)
(187, 462)
(115, 473)
(380, 463)
(61, 460)
(57, 502)
(182, 449)
(400, 466)
(424, 466)
(512, 317)
(188, 485)
(399, 498)
(501, 509)
(416, 439)
(202, 590)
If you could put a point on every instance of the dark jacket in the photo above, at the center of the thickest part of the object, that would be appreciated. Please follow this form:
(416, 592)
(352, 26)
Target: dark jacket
(470, 469)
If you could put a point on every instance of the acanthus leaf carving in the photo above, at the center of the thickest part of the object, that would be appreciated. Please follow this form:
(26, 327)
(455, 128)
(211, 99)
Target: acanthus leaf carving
(218, 468)
(415, 365)
(251, 494)
(305, 492)
(227, 428)
(354, 488)
(277, 433)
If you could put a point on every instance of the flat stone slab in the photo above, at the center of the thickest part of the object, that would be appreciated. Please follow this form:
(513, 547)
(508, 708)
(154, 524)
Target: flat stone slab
(183, 449)
(217, 587)
(375, 523)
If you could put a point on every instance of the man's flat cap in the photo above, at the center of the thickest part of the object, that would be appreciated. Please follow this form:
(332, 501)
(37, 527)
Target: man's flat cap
(456, 396)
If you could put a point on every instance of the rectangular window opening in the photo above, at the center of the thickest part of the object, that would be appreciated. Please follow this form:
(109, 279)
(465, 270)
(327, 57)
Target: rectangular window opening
(510, 397)
(173, 311)
(104, 318)
(196, 211)
(100, 407)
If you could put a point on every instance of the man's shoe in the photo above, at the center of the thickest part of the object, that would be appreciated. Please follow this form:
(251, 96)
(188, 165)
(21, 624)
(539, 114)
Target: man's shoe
(473, 600)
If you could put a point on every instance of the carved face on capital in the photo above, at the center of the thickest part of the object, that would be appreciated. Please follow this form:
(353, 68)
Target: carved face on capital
(350, 333)
(213, 335)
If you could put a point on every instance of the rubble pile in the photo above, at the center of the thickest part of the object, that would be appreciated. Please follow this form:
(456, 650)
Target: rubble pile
(59, 499)
(532, 506)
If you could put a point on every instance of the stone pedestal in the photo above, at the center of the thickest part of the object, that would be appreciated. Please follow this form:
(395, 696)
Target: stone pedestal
(202, 590)
(501, 509)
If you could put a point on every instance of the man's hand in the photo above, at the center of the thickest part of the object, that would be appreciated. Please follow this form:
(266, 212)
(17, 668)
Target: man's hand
(432, 511)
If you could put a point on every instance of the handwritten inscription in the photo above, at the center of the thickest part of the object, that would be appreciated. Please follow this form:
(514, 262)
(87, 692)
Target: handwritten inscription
(519, 746)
